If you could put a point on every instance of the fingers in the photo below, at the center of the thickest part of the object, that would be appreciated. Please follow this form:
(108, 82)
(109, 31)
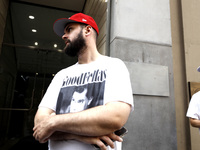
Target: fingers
(39, 139)
(34, 133)
(107, 141)
(100, 145)
(98, 142)
(114, 137)
(37, 135)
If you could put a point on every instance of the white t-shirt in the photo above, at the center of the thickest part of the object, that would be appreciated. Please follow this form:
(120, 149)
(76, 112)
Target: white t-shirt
(83, 86)
(194, 107)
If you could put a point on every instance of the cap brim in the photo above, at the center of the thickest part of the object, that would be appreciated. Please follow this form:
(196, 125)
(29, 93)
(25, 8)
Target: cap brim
(60, 24)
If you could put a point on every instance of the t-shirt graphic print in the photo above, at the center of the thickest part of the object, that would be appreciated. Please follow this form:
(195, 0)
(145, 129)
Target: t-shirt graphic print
(81, 92)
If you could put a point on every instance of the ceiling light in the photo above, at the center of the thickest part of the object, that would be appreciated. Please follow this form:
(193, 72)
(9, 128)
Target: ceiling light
(60, 50)
(106, 1)
(55, 45)
(31, 17)
(34, 30)
(36, 43)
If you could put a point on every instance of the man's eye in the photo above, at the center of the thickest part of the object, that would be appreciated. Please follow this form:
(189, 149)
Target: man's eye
(80, 101)
(69, 30)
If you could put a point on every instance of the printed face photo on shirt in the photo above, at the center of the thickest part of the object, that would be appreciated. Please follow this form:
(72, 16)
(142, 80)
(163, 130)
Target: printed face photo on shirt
(78, 98)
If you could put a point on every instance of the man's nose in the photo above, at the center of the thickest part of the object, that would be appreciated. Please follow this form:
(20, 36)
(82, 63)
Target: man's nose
(64, 37)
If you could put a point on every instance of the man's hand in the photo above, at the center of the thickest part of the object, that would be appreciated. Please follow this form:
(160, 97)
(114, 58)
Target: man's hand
(107, 140)
(43, 130)
(102, 142)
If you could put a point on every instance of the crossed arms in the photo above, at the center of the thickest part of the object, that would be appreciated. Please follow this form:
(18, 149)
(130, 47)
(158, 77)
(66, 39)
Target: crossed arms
(89, 126)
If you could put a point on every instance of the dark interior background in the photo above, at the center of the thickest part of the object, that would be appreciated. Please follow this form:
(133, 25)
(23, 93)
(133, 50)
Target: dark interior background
(27, 69)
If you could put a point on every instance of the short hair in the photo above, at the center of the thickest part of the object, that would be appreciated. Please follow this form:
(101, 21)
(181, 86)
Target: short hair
(95, 35)
(79, 89)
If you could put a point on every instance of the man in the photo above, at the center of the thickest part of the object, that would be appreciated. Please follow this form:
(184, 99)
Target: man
(107, 82)
(193, 111)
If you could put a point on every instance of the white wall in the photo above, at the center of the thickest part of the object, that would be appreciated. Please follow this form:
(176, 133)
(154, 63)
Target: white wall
(142, 20)
(141, 36)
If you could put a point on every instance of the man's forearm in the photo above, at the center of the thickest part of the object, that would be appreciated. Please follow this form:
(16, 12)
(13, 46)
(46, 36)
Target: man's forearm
(98, 141)
(41, 114)
(96, 121)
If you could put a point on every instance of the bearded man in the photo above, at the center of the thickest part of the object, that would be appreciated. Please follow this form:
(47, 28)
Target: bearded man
(107, 82)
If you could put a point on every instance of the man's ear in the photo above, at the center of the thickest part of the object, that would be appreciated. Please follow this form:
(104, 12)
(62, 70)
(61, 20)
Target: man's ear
(88, 30)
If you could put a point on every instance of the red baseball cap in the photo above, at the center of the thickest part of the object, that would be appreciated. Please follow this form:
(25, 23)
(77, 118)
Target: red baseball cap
(60, 24)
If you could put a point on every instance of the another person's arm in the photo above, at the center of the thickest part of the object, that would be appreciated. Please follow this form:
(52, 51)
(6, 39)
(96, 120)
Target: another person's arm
(193, 110)
(195, 122)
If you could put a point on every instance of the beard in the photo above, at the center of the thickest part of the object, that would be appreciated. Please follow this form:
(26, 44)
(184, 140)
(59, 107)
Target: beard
(75, 47)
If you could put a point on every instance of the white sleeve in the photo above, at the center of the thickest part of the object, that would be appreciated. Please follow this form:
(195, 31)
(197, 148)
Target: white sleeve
(50, 98)
(118, 85)
(194, 108)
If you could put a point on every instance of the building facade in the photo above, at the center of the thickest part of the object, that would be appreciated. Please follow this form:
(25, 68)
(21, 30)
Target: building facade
(158, 41)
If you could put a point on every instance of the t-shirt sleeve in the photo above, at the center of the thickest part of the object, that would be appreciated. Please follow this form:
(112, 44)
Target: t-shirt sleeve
(193, 109)
(118, 85)
(50, 98)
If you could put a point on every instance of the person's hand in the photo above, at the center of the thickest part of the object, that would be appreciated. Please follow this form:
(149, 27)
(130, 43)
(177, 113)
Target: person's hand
(101, 142)
(44, 130)
(107, 140)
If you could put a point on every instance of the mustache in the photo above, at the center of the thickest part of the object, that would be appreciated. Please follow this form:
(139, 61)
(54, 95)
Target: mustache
(67, 41)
